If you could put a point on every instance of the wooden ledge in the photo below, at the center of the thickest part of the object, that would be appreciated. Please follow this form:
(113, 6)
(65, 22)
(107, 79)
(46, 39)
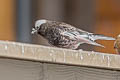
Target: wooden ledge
(40, 53)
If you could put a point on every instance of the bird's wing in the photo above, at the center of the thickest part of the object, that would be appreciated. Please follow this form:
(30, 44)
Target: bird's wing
(88, 41)
(73, 34)
(84, 38)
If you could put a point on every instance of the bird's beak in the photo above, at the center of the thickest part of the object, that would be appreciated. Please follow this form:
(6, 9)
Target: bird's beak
(33, 31)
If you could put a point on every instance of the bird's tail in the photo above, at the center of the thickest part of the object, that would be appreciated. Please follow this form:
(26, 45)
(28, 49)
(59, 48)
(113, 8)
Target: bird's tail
(96, 44)
(88, 41)
(100, 37)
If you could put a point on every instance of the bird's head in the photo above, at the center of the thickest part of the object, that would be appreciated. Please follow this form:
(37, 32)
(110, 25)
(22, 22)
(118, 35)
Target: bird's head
(38, 24)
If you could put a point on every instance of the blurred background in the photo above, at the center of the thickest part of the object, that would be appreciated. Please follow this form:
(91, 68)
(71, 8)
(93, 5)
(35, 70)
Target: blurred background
(17, 17)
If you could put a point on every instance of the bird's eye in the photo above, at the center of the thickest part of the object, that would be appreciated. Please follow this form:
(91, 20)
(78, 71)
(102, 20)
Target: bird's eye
(37, 27)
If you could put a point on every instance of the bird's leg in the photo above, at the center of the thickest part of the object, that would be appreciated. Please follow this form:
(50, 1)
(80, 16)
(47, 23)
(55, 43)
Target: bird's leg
(76, 45)
(78, 48)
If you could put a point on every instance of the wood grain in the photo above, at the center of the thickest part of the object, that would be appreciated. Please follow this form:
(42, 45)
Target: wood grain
(27, 70)
(19, 61)
(58, 55)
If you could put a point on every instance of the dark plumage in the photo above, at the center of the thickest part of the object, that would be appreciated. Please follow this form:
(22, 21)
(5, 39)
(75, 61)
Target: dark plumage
(63, 35)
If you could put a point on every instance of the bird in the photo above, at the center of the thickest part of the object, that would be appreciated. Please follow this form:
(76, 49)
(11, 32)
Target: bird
(117, 44)
(63, 35)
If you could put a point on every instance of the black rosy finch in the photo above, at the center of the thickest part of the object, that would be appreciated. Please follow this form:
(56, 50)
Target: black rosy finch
(64, 35)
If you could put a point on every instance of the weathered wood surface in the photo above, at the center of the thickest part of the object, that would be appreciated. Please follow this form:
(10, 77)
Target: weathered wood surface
(19, 61)
(58, 55)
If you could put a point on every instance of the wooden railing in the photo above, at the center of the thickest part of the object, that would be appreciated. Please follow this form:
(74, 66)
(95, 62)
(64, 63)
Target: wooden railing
(35, 62)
